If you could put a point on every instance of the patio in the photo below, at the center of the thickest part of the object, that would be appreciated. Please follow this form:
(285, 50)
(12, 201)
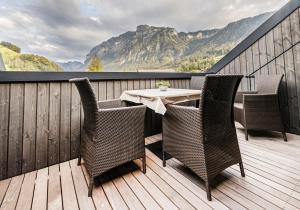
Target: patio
(41, 131)
(272, 182)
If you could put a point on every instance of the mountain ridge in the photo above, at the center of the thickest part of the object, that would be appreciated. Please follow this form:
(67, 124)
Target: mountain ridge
(164, 47)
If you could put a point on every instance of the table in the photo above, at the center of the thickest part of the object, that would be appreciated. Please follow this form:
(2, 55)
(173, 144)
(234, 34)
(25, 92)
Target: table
(157, 100)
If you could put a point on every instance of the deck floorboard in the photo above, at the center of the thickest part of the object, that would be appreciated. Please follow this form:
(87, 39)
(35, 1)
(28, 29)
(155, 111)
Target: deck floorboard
(272, 182)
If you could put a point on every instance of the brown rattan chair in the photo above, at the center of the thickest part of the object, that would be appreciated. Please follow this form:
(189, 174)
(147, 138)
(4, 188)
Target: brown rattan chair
(196, 84)
(204, 138)
(112, 134)
(259, 110)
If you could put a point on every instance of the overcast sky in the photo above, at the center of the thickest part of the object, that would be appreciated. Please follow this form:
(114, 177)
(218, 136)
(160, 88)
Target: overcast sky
(66, 30)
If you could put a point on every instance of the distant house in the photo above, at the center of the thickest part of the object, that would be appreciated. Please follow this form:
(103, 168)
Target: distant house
(2, 66)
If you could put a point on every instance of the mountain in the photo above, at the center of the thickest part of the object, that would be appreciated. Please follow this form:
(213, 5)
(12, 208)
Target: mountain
(152, 47)
(72, 66)
(15, 61)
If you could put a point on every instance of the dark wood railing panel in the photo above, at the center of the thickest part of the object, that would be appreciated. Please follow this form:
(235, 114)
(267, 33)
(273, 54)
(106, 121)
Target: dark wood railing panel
(277, 52)
(4, 122)
(41, 123)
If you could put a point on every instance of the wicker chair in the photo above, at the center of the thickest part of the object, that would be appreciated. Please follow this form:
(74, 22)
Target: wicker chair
(204, 138)
(112, 134)
(259, 110)
(196, 84)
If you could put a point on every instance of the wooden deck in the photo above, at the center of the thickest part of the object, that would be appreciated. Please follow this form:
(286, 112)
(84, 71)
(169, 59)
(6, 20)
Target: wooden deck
(272, 182)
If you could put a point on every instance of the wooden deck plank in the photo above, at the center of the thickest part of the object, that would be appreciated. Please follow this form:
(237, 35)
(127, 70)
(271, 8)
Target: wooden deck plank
(115, 199)
(100, 200)
(263, 159)
(140, 192)
(184, 191)
(54, 189)
(129, 197)
(40, 192)
(3, 188)
(268, 200)
(81, 187)
(271, 155)
(222, 201)
(273, 177)
(248, 194)
(67, 185)
(274, 151)
(280, 197)
(269, 182)
(281, 173)
(196, 189)
(26, 194)
(170, 192)
(272, 182)
(11, 197)
(158, 196)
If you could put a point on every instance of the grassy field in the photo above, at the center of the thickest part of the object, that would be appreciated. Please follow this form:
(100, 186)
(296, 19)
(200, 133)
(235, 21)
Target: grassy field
(26, 62)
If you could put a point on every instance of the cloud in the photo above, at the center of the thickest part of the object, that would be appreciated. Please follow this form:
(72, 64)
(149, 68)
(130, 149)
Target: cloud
(67, 29)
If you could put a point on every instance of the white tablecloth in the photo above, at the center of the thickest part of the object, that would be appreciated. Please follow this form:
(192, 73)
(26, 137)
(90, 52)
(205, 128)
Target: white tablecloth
(156, 99)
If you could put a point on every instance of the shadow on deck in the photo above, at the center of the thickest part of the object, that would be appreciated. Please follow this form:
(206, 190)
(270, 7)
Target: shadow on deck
(272, 182)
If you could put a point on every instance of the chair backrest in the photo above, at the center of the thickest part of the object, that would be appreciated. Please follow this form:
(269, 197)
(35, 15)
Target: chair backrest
(89, 102)
(197, 82)
(269, 83)
(216, 106)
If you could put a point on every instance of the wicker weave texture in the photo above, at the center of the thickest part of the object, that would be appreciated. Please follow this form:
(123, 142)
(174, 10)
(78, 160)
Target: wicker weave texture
(112, 134)
(204, 138)
(260, 110)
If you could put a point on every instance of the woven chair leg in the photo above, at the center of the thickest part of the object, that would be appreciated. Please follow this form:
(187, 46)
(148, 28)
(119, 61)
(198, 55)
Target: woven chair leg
(246, 134)
(79, 160)
(208, 192)
(164, 159)
(284, 136)
(91, 184)
(242, 169)
(144, 164)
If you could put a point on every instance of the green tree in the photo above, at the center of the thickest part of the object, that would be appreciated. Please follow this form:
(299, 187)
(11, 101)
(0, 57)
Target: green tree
(95, 65)
(11, 46)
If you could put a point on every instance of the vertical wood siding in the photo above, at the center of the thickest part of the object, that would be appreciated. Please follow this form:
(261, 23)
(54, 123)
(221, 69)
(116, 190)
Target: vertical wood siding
(41, 122)
(278, 52)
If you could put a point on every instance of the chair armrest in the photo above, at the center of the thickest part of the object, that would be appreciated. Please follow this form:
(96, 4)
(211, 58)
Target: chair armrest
(182, 130)
(181, 118)
(260, 103)
(183, 111)
(121, 122)
(108, 104)
(262, 111)
(239, 95)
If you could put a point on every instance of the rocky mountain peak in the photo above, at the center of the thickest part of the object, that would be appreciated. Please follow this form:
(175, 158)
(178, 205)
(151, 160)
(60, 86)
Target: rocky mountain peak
(163, 47)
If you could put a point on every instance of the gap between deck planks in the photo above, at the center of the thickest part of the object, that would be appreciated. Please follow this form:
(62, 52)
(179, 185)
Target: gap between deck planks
(267, 185)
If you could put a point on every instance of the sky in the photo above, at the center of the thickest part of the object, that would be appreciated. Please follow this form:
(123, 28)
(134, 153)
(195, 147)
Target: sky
(66, 30)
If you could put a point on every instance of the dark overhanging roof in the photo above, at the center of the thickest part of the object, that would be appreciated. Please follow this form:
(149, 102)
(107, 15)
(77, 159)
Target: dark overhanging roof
(268, 25)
